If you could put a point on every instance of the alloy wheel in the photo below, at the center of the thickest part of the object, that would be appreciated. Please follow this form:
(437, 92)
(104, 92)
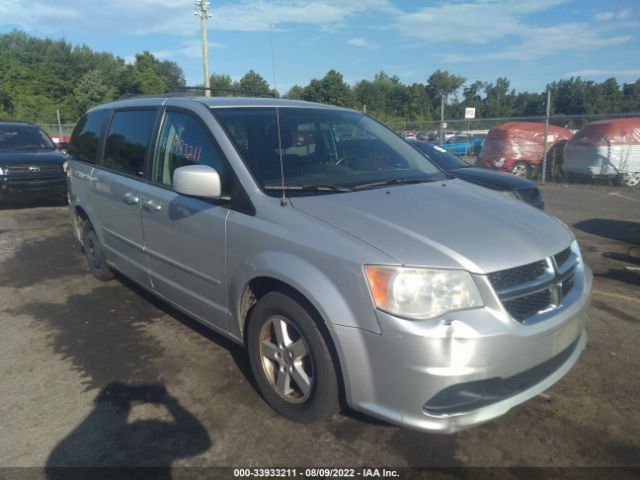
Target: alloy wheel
(520, 170)
(631, 179)
(286, 360)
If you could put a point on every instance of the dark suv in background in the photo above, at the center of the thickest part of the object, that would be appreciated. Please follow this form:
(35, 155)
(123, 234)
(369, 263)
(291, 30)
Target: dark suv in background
(31, 167)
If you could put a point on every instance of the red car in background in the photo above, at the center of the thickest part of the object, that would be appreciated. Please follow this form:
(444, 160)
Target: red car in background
(518, 147)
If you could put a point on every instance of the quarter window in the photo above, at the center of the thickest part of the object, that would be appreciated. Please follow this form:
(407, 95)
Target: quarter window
(84, 140)
(128, 140)
(184, 141)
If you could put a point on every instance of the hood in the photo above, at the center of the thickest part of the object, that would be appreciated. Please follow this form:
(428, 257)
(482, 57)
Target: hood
(37, 157)
(449, 224)
(492, 179)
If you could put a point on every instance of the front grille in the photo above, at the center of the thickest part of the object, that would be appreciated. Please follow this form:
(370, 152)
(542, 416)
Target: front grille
(514, 276)
(567, 285)
(530, 289)
(28, 171)
(522, 308)
(562, 257)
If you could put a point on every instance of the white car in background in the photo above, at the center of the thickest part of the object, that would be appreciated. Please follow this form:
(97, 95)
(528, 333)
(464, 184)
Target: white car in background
(607, 148)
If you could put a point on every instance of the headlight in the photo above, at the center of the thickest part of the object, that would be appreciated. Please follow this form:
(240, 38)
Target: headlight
(421, 293)
(499, 162)
(1, 171)
(510, 194)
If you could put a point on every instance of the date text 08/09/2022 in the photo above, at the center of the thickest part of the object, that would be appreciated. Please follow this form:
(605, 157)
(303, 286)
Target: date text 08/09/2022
(315, 473)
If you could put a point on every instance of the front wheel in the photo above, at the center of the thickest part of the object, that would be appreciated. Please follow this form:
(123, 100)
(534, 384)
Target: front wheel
(631, 179)
(290, 360)
(521, 169)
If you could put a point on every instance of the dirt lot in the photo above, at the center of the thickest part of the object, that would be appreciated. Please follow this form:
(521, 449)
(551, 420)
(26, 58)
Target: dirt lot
(85, 366)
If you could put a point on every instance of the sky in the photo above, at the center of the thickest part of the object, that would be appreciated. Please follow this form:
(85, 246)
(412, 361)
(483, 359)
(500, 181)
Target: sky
(531, 42)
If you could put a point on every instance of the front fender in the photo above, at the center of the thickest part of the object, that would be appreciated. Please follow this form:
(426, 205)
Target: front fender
(307, 279)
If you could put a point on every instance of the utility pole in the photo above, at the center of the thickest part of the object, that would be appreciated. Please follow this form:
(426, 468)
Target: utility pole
(202, 11)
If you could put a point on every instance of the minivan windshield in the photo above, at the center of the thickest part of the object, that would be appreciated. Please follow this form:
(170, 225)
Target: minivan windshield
(24, 137)
(322, 150)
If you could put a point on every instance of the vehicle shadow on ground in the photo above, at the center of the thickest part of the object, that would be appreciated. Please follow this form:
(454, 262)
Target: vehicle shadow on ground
(620, 230)
(237, 352)
(105, 438)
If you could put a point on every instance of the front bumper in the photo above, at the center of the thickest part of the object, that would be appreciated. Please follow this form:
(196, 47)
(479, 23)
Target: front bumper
(400, 375)
(22, 188)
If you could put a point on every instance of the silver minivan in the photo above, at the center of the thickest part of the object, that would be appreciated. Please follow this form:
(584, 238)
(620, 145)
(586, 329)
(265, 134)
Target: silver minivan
(353, 270)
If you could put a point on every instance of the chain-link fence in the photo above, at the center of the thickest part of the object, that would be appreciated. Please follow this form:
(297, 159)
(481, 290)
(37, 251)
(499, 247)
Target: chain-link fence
(567, 149)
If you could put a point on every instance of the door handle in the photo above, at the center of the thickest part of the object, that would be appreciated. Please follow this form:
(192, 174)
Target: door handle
(130, 198)
(151, 206)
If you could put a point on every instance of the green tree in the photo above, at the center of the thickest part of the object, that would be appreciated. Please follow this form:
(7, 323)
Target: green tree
(440, 85)
(499, 99)
(294, 93)
(331, 89)
(253, 84)
(91, 90)
(631, 97)
(221, 85)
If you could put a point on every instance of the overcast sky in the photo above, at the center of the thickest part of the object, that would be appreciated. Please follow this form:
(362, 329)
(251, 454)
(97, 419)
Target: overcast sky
(532, 42)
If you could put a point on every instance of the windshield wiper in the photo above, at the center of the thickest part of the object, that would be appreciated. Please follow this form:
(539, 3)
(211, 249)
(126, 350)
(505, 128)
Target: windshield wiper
(310, 188)
(392, 181)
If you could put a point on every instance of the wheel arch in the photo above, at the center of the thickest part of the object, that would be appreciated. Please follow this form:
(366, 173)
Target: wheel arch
(260, 285)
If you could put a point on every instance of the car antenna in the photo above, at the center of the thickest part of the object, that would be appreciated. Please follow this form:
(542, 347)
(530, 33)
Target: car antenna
(283, 200)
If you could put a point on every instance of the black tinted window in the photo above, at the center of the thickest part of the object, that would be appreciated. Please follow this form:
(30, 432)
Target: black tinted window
(184, 141)
(128, 140)
(84, 140)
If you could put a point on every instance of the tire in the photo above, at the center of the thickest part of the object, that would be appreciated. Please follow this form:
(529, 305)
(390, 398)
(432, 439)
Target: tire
(286, 347)
(631, 179)
(521, 169)
(92, 249)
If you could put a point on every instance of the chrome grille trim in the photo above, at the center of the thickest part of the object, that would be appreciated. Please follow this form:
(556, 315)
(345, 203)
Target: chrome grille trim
(24, 170)
(541, 291)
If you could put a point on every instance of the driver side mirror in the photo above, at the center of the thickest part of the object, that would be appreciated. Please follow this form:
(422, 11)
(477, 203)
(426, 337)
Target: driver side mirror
(197, 181)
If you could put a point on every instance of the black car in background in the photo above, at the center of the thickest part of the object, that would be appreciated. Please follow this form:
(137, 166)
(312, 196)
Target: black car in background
(510, 185)
(31, 167)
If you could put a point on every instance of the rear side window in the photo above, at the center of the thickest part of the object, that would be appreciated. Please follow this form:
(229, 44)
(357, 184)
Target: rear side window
(85, 137)
(128, 141)
(184, 141)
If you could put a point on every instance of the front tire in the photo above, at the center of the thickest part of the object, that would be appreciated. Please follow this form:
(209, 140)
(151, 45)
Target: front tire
(92, 249)
(631, 179)
(291, 361)
(521, 169)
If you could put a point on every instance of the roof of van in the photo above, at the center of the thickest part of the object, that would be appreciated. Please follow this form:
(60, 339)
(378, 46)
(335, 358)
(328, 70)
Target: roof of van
(215, 102)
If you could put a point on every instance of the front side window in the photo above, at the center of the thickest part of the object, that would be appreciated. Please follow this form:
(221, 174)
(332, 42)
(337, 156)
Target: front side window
(322, 149)
(24, 137)
(85, 136)
(184, 141)
(128, 140)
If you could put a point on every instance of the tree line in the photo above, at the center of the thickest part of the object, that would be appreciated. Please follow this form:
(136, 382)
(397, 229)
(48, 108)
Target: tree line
(40, 76)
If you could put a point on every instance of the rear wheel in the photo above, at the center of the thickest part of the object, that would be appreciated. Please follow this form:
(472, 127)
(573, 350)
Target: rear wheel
(290, 360)
(521, 169)
(92, 249)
